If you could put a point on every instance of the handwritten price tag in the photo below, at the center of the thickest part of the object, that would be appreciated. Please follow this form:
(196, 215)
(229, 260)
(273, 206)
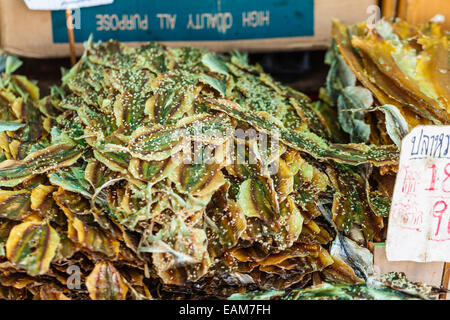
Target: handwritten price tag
(419, 221)
(63, 4)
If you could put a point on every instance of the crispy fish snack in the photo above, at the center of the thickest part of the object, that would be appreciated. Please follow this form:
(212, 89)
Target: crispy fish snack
(388, 79)
(384, 81)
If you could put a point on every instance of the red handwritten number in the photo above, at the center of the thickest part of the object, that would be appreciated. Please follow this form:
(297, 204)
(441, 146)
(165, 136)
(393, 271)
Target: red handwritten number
(440, 213)
(433, 178)
(448, 226)
(446, 178)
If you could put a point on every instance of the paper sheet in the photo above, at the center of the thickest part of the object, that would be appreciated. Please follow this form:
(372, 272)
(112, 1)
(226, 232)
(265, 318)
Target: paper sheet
(419, 220)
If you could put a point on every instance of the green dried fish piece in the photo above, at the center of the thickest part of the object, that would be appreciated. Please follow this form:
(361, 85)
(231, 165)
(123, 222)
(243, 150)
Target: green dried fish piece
(160, 142)
(24, 87)
(240, 60)
(339, 76)
(97, 174)
(130, 104)
(155, 143)
(71, 179)
(13, 172)
(71, 102)
(112, 152)
(26, 112)
(247, 162)
(307, 112)
(303, 258)
(111, 54)
(256, 295)
(396, 126)
(309, 182)
(84, 90)
(106, 283)
(42, 203)
(153, 57)
(96, 122)
(93, 238)
(291, 222)
(5, 230)
(283, 180)
(312, 232)
(10, 126)
(82, 226)
(186, 58)
(180, 253)
(351, 103)
(373, 289)
(200, 176)
(257, 198)
(174, 94)
(66, 249)
(353, 256)
(379, 203)
(225, 223)
(72, 204)
(116, 161)
(350, 203)
(151, 171)
(215, 64)
(377, 155)
(15, 205)
(6, 98)
(31, 246)
(197, 179)
(139, 206)
(219, 85)
(129, 110)
(48, 107)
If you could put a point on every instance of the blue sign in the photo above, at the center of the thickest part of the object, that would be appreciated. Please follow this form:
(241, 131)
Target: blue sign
(188, 20)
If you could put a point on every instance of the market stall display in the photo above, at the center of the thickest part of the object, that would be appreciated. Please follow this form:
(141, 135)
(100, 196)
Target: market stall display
(96, 175)
(171, 173)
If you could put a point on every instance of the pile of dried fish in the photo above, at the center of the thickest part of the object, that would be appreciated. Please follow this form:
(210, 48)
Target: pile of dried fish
(388, 78)
(157, 173)
(384, 80)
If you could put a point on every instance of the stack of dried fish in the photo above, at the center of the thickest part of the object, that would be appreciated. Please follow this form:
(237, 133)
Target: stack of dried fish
(388, 78)
(384, 80)
(156, 173)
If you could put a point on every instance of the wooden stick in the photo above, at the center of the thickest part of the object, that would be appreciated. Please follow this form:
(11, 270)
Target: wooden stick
(388, 9)
(69, 24)
(402, 9)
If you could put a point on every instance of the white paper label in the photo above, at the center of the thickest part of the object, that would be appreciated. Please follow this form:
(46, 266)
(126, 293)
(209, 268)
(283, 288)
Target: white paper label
(419, 220)
(63, 4)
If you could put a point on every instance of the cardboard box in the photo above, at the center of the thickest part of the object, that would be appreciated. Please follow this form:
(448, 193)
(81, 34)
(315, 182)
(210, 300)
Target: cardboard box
(219, 25)
(417, 11)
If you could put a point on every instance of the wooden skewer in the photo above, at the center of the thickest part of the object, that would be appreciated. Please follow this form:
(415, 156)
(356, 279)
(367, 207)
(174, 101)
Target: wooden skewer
(388, 9)
(69, 24)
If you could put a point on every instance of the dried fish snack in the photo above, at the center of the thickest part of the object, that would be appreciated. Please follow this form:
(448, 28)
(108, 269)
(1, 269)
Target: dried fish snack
(155, 173)
(387, 78)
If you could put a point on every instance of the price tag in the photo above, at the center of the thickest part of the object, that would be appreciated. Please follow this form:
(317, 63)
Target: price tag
(419, 220)
(64, 4)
